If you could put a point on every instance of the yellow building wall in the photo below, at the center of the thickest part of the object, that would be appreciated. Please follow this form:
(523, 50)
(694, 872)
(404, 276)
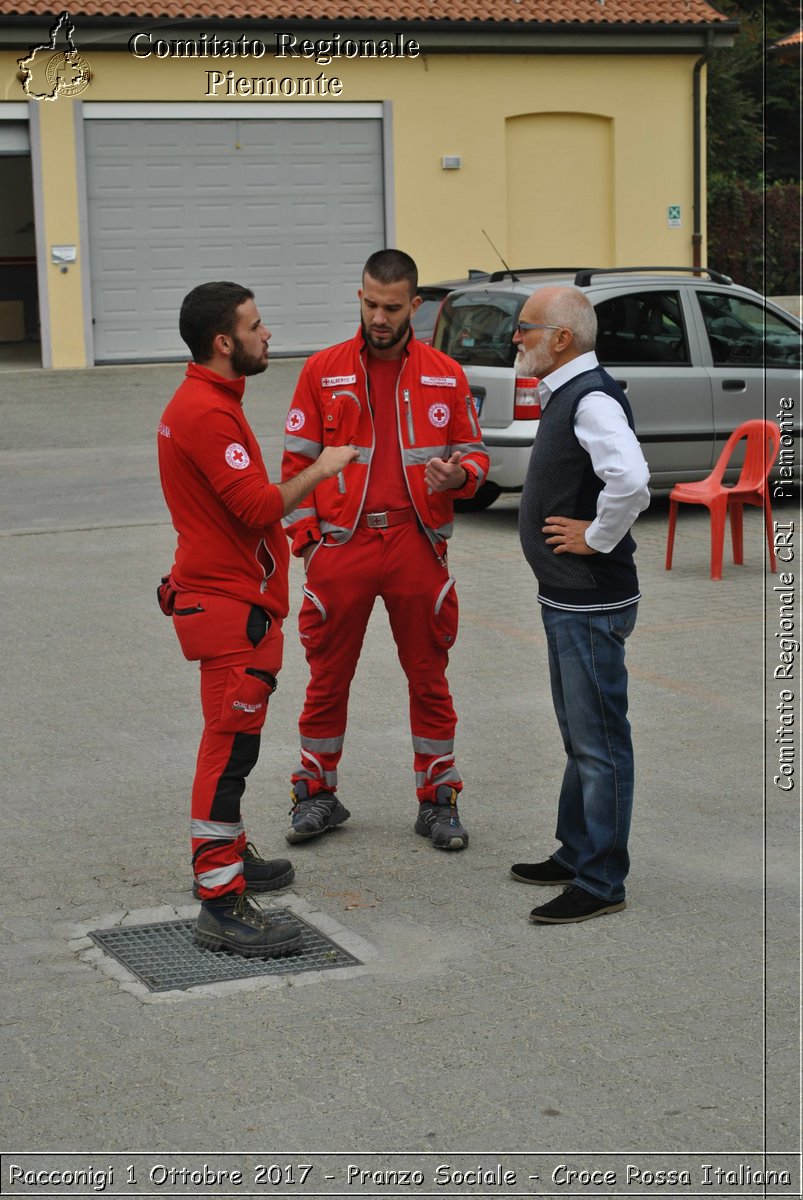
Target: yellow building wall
(565, 159)
(469, 102)
(66, 317)
(568, 216)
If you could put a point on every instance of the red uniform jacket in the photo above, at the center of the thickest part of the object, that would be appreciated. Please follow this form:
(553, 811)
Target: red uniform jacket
(435, 416)
(225, 509)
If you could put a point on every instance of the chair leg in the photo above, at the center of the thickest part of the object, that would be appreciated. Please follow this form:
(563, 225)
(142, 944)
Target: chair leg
(770, 533)
(718, 510)
(670, 541)
(735, 512)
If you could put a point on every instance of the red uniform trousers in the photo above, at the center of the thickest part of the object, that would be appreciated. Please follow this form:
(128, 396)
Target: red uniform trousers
(240, 651)
(342, 584)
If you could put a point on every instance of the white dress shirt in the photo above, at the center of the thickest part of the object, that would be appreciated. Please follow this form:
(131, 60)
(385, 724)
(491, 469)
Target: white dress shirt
(603, 432)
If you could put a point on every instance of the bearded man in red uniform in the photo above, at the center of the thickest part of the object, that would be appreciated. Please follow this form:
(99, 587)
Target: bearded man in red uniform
(379, 529)
(227, 595)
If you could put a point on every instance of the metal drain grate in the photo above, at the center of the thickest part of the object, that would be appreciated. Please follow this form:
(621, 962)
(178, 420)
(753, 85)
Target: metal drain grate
(165, 958)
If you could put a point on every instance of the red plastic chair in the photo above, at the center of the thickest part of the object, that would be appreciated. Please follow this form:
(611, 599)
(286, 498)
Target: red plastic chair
(763, 441)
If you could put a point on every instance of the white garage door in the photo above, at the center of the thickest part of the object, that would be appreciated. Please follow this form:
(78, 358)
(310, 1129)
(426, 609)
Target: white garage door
(289, 208)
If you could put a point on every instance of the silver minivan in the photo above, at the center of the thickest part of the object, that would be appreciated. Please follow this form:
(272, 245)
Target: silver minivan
(695, 353)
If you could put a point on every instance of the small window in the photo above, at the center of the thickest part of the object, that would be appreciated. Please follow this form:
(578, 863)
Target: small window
(477, 328)
(743, 333)
(642, 328)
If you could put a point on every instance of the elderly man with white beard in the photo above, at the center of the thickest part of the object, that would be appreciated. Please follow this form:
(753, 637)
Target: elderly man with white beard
(586, 483)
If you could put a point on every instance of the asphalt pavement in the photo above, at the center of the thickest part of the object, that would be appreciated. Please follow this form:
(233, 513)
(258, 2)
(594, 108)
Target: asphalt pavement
(661, 1038)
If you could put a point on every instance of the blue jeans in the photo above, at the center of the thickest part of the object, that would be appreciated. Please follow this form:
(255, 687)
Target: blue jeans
(589, 691)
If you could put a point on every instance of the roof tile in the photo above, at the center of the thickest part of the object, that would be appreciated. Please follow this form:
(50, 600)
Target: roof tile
(532, 12)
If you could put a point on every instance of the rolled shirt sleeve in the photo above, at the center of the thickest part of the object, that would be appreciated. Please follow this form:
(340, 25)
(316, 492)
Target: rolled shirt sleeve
(602, 430)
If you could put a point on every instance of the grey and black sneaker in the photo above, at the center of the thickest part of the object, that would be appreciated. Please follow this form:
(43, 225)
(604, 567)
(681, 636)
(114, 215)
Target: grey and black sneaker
(441, 821)
(260, 874)
(313, 815)
(235, 924)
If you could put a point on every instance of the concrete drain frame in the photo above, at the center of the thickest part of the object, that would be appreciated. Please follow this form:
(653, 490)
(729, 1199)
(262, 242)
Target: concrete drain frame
(150, 952)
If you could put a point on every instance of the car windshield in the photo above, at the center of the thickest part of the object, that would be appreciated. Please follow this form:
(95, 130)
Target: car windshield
(477, 328)
(425, 316)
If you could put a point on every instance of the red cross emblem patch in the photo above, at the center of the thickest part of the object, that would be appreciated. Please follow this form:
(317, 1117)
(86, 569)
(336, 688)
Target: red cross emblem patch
(237, 456)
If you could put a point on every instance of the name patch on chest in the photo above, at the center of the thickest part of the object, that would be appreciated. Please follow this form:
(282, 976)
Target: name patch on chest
(338, 380)
(439, 381)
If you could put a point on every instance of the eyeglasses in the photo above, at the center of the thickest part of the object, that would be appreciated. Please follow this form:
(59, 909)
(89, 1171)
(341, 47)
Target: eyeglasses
(522, 326)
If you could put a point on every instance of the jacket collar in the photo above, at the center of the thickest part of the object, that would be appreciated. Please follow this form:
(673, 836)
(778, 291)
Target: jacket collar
(362, 345)
(233, 387)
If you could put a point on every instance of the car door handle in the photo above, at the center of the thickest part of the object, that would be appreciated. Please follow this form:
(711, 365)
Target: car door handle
(733, 385)
(622, 384)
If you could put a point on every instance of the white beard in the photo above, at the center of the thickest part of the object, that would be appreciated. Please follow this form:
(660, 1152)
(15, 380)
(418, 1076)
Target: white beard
(532, 363)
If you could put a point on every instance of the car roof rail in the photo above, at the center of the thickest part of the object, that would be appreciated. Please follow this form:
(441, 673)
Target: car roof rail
(514, 272)
(584, 276)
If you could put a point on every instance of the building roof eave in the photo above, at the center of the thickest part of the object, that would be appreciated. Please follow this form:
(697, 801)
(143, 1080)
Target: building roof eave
(434, 36)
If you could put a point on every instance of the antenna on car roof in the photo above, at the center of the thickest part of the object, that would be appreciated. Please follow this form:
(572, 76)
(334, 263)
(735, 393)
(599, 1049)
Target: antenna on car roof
(499, 256)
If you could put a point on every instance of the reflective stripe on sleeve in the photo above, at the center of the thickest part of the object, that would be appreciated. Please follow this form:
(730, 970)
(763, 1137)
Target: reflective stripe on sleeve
(298, 514)
(421, 455)
(297, 445)
(477, 469)
(335, 530)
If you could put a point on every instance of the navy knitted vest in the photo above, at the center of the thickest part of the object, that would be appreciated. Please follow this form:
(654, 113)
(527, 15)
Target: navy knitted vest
(560, 482)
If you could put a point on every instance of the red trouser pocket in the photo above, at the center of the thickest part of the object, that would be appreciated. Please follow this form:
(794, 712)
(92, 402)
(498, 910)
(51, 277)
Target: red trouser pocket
(210, 626)
(196, 628)
(240, 651)
(311, 620)
(235, 698)
(445, 615)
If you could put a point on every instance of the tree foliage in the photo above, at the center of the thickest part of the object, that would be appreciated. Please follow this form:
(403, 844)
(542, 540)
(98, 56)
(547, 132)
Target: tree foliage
(754, 145)
(754, 97)
(754, 234)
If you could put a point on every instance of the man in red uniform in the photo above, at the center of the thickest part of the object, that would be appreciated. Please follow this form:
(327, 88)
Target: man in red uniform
(227, 594)
(380, 528)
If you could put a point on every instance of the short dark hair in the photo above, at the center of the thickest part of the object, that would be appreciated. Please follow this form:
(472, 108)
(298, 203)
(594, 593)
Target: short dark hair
(206, 311)
(392, 266)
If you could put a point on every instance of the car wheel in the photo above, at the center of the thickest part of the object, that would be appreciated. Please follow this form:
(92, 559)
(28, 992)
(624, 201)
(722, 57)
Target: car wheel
(482, 498)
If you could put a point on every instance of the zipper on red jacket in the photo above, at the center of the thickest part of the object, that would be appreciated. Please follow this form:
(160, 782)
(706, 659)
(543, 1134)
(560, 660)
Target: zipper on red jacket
(471, 420)
(409, 412)
(341, 479)
(373, 441)
(262, 545)
(411, 433)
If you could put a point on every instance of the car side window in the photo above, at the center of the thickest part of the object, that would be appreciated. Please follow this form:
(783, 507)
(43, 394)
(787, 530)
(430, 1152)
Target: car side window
(743, 333)
(641, 328)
